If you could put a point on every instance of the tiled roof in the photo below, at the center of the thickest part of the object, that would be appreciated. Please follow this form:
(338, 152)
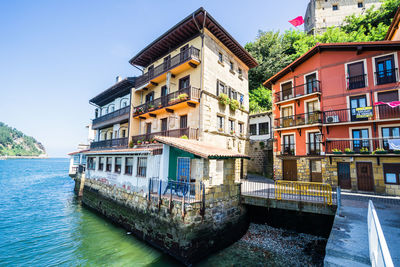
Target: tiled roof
(201, 149)
(350, 46)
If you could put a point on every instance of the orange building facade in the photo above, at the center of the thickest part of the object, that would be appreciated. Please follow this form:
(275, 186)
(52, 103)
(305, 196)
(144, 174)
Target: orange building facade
(328, 125)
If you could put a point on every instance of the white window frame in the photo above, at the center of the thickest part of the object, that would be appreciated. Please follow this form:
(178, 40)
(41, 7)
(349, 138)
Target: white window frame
(396, 63)
(305, 80)
(295, 143)
(312, 131)
(365, 72)
(360, 128)
(280, 89)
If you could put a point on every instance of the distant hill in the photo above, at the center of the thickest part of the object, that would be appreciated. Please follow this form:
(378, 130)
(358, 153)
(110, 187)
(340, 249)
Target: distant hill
(15, 143)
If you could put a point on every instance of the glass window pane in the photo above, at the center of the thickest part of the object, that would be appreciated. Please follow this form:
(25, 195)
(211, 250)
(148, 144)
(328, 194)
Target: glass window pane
(390, 178)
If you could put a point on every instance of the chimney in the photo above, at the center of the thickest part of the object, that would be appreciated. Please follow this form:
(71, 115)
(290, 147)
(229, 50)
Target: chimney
(118, 79)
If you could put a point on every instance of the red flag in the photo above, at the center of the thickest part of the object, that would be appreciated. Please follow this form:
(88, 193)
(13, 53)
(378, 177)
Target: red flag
(297, 21)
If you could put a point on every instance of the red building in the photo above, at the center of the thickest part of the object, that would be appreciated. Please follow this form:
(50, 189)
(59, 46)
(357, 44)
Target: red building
(328, 125)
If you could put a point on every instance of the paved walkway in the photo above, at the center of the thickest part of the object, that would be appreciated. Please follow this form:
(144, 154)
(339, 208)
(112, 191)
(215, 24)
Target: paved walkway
(348, 241)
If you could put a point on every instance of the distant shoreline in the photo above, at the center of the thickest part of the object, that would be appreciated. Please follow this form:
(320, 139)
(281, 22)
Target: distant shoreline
(25, 157)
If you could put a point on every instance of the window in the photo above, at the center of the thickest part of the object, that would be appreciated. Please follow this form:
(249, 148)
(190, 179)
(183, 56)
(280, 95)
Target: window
(148, 128)
(123, 133)
(220, 57)
(231, 65)
(150, 97)
(184, 82)
(335, 7)
(183, 122)
(286, 91)
(253, 129)
(164, 125)
(361, 139)
(91, 163)
(390, 133)
(287, 116)
(312, 85)
(314, 143)
(111, 108)
(355, 75)
(128, 165)
(232, 126)
(220, 123)
(141, 167)
(360, 4)
(241, 99)
(313, 116)
(385, 70)
(221, 88)
(263, 128)
(108, 164)
(150, 71)
(240, 72)
(167, 62)
(101, 164)
(118, 164)
(240, 127)
(391, 172)
(288, 145)
(355, 103)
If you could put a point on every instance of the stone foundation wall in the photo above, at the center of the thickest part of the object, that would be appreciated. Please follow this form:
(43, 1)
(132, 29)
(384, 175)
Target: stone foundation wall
(188, 236)
(260, 163)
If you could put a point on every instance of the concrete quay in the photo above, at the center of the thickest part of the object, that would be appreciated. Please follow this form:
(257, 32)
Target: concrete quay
(348, 242)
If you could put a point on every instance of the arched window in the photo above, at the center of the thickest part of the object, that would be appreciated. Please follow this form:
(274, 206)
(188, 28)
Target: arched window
(124, 102)
(111, 108)
(110, 133)
(104, 111)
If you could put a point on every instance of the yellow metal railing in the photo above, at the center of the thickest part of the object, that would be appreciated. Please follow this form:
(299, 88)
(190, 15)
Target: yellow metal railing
(303, 190)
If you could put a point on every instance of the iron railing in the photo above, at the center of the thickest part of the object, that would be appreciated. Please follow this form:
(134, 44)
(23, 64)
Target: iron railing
(386, 76)
(360, 146)
(112, 115)
(110, 143)
(354, 82)
(299, 119)
(291, 190)
(191, 133)
(299, 90)
(189, 93)
(379, 253)
(182, 57)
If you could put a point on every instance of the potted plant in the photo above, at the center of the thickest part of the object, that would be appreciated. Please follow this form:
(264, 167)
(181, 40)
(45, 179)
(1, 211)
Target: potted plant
(184, 136)
(223, 99)
(364, 150)
(151, 107)
(131, 144)
(348, 151)
(336, 151)
(139, 142)
(380, 151)
(183, 97)
(233, 104)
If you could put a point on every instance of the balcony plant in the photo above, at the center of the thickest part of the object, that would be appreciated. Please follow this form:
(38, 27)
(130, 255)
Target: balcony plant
(348, 151)
(183, 97)
(139, 142)
(336, 151)
(234, 104)
(173, 101)
(380, 151)
(150, 107)
(232, 132)
(184, 136)
(223, 99)
(131, 144)
(364, 150)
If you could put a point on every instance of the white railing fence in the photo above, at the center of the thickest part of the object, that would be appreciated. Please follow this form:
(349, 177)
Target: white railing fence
(378, 250)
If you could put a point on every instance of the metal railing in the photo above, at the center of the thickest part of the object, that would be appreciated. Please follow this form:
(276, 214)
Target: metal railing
(386, 76)
(191, 133)
(299, 90)
(186, 55)
(109, 116)
(110, 143)
(354, 82)
(291, 190)
(360, 145)
(188, 93)
(299, 119)
(378, 250)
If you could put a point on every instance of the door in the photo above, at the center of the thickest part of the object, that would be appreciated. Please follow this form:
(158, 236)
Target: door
(151, 71)
(313, 115)
(365, 180)
(385, 111)
(362, 141)
(184, 55)
(357, 102)
(183, 126)
(288, 145)
(164, 93)
(311, 83)
(184, 82)
(385, 70)
(287, 91)
(287, 117)
(314, 143)
(316, 173)
(148, 128)
(356, 77)
(343, 169)
(164, 126)
(183, 170)
(290, 170)
(167, 62)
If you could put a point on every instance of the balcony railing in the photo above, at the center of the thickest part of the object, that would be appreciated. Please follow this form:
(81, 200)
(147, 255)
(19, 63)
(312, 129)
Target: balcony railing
(361, 146)
(355, 82)
(110, 143)
(386, 76)
(299, 90)
(299, 120)
(112, 115)
(191, 133)
(380, 112)
(182, 57)
(189, 93)
(288, 149)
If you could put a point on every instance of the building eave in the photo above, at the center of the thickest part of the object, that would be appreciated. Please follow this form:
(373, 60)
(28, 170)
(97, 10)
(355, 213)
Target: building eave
(117, 90)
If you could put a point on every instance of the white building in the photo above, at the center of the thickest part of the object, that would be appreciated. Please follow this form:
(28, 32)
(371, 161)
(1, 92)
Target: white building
(260, 126)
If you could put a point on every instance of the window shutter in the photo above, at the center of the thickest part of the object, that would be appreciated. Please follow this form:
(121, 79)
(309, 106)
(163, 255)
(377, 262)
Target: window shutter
(217, 87)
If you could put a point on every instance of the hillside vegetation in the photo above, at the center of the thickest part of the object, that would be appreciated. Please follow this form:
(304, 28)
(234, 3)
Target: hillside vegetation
(275, 50)
(15, 143)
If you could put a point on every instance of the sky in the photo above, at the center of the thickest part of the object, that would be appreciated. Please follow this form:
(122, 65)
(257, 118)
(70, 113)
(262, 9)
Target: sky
(56, 55)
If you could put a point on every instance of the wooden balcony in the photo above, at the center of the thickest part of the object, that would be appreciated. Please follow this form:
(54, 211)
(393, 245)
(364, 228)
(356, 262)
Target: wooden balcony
(110, 143)
(173, 100)
(298, 91)
(184, 60)
(111, 118)
(191, 133)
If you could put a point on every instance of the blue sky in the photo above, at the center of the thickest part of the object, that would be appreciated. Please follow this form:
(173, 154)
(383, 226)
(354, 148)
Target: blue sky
(56, 55)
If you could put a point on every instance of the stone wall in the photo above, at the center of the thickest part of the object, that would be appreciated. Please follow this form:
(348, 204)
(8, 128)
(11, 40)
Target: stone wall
(261, 161)
(189, 235)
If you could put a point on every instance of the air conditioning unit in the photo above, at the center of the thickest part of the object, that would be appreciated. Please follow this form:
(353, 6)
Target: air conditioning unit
(331, 119)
